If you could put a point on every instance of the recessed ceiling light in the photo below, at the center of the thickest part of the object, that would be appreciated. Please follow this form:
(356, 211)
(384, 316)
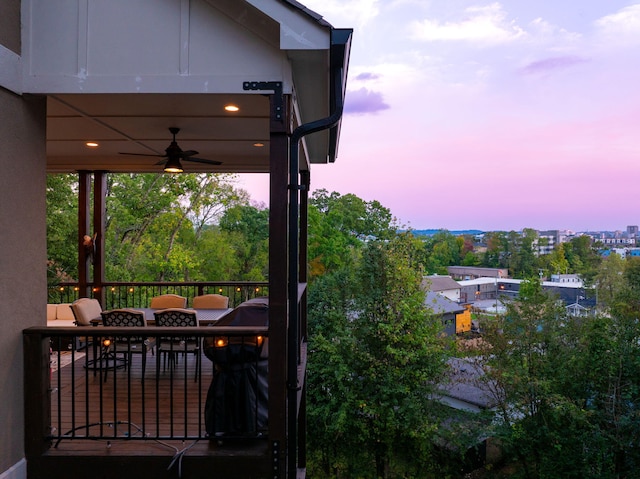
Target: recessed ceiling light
(231, 108)
(92, 144)
(258, 145)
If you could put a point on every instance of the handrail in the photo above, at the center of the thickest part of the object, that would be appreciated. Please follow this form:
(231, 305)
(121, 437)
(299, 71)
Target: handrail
(121, 294)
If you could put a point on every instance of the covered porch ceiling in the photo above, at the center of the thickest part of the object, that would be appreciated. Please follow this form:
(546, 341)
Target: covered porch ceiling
(122, 83)
(139, 124)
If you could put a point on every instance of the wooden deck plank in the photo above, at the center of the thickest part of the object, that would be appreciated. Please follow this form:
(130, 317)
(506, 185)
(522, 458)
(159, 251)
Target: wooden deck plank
(84, 405)
(79, 399)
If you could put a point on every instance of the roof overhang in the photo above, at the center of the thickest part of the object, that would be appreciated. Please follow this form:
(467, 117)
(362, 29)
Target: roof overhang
(123, 80)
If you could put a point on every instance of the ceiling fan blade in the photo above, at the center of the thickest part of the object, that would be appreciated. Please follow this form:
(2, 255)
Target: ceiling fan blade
(203, 160)
(162, 162)
(184, 154)
(141, 154)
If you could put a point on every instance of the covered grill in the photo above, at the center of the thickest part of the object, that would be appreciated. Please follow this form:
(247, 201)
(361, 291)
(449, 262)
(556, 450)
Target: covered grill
(237, 400)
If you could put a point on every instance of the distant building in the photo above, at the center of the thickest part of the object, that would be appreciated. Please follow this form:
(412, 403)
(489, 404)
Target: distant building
(456, 319)
(443, 285)
(481, 290)
(547, 241)
(617, 240)
(472, 272)
(567, 278)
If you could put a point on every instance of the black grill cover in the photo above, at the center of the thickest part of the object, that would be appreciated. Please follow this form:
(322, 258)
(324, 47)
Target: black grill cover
(237, 400)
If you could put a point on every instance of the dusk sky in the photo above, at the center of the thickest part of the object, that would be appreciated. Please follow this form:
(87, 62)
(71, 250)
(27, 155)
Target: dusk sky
(490, 115)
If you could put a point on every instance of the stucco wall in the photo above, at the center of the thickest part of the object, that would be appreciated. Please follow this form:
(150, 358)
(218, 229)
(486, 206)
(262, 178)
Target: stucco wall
(10, 25)
(22, 256)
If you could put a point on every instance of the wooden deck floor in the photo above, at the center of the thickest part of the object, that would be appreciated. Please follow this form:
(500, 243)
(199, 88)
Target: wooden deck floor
(126, 415)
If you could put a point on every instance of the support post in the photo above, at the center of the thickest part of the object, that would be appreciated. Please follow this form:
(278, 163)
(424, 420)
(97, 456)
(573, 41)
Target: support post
(278, 282)
(99, 225)
(84, 225)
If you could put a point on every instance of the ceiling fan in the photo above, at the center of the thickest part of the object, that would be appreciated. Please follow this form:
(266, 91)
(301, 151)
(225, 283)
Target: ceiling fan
(173, 155)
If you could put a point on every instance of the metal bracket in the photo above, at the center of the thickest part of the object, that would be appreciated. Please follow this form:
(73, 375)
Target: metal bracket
(276, 86)
(275, 456)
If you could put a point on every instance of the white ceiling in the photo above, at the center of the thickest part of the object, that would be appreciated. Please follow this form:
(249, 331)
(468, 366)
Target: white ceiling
(139, 123)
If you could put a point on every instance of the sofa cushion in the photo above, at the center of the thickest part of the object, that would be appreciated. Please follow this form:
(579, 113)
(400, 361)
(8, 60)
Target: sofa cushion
(61, 323)
(64, 313)
(85, 310)
(51, 312)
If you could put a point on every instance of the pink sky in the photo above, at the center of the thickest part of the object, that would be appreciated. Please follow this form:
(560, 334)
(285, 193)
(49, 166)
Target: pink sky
(490, 115)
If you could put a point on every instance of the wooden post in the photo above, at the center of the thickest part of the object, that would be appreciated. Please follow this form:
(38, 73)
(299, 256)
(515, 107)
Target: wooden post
(84, 225)
(99, 224)
(278, 286)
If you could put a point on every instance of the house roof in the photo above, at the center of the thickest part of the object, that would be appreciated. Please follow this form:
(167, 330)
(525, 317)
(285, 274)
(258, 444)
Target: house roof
(440, 304)
(124, 80)
(467, 387)
(439, 283)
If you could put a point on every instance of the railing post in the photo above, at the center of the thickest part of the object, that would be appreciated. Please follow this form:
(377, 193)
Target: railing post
(37, 394)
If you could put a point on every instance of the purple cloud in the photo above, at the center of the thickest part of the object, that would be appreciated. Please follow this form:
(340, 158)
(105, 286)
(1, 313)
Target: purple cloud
(367, 76)
(553, 63)
(363, 101)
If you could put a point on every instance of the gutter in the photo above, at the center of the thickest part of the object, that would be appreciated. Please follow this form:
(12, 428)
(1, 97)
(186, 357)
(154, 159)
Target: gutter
(339, 60)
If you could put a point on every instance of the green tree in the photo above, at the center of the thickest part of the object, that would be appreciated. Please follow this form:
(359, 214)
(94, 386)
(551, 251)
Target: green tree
(567, 387)
(62, 221)
(443, 249)
(523, 262)
(247, 228)
(379, 355)
(538, 424)
(583, 257)
(338, 227)
(609, 280)
(558, 263)
(155, 223)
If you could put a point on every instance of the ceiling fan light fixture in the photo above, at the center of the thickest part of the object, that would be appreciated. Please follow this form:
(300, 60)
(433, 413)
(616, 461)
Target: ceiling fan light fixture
(173, 165)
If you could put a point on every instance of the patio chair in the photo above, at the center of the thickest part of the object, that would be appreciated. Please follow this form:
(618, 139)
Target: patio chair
(171, 347)
(168, 301)
(84, 311)
(211, 301)
(127, 345)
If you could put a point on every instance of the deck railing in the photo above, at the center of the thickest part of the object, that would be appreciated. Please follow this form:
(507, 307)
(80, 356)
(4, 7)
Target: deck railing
(74, 393)
(138, 294)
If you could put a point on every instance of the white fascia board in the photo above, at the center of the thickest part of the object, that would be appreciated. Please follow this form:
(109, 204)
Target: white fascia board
(10, 70)
(298, 31)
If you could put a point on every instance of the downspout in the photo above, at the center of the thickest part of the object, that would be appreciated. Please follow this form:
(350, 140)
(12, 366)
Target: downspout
(294, 213)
